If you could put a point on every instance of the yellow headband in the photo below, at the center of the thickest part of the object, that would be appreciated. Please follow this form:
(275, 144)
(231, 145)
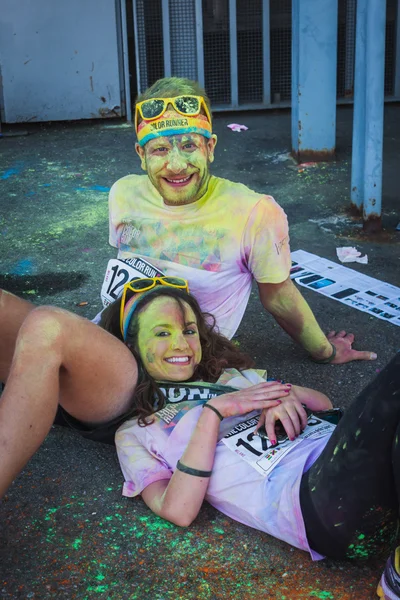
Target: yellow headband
(171, 123)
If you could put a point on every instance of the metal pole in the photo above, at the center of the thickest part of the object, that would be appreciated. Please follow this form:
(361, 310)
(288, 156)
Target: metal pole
(124, 50)
(358, 151)
(397, 55)
(233, 53)
(166, 37)
(314, 74)
(295, 77)
(139, 50)
(199, 42)
(374, 103)
(266, 54)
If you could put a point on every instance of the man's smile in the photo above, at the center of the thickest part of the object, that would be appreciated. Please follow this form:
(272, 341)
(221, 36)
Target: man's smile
(177, 182)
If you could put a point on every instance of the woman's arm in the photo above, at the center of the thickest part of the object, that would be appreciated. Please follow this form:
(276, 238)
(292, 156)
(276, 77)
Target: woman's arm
(291, 412)
(179, 499)
(313, 399)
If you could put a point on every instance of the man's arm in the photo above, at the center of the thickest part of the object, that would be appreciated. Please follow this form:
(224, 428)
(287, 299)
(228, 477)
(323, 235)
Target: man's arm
(291, 311)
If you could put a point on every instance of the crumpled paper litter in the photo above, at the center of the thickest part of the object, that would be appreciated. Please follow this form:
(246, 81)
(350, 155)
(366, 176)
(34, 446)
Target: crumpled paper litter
(348, 254)
(237, 127)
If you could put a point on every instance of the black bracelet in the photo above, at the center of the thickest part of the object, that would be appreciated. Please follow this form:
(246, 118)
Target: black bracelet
(324, 361)
(190, 471)
(214, 410)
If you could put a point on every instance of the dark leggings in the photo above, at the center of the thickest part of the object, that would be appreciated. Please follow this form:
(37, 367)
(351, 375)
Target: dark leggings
(350, 496)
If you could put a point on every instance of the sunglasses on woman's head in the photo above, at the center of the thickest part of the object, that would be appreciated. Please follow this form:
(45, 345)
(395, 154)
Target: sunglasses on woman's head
(184, 105)
(143, 285)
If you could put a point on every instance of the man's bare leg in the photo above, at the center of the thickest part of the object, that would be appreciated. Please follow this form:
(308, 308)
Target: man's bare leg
(59, 357)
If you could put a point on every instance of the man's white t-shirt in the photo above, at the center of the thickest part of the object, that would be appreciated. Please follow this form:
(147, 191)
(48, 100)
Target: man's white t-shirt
(219, 243)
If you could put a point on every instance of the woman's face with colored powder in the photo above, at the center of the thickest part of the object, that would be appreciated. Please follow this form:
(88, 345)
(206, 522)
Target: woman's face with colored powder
(178, 165)
(168, 341)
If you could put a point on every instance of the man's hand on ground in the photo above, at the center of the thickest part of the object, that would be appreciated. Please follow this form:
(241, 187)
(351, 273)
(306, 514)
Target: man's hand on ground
(344, 352)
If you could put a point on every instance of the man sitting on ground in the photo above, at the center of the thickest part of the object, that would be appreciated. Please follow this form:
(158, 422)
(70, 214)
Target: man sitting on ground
(217, 234)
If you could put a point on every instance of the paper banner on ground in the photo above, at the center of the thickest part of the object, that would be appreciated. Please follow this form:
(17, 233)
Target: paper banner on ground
(370, 295)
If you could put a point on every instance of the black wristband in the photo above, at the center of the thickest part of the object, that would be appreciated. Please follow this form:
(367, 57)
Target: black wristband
(190, 471)
(210, 406)
(324, 361)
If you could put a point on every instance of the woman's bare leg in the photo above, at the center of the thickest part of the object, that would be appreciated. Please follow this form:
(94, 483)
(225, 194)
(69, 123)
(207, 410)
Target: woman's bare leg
(13, 311)
(59, 358)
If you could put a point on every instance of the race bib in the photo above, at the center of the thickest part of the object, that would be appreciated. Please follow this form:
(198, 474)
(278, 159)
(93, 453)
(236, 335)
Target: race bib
(259, 452)
(119, 272)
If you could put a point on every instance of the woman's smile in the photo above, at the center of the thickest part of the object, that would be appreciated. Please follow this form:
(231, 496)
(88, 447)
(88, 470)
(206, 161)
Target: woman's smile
(178, 359)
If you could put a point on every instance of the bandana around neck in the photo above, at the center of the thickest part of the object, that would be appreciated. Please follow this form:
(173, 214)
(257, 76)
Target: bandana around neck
(172, 123)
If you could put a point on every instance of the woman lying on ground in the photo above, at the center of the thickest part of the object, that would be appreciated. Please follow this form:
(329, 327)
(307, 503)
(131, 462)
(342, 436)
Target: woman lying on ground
(333, 495)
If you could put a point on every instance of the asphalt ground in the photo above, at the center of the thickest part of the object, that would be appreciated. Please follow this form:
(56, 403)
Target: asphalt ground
(65, 529)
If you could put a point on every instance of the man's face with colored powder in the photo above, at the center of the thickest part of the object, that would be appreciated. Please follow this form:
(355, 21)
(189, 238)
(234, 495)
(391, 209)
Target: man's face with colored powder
(178, 165)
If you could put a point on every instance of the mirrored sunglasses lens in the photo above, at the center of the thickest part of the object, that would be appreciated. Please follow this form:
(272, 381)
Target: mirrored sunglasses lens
(188, 105)
(141, 284)
(175, 281)
(152, 108)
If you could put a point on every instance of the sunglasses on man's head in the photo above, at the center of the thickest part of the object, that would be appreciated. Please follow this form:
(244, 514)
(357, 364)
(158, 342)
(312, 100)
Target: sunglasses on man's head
(145, 284)
(153, 108)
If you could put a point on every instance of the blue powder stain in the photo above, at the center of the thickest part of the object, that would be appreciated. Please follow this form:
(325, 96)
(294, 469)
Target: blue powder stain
(23, 267)
(7, 174)
(94, 188)
(100, 188)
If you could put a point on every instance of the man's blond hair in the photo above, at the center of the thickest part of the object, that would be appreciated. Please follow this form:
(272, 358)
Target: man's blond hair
(170, 87)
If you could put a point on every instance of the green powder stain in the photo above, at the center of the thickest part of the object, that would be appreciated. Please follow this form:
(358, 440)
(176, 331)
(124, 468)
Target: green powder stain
(220, 531)
(358, 432)
(50, 512)
(150, 356)
(361, 536)
(321, 595)
(98, 588)
(155, 523)
(357, 551)
(76, 543)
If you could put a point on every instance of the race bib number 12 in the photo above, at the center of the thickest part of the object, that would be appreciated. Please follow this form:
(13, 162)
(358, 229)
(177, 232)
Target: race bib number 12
(260, 453)
(119, 272)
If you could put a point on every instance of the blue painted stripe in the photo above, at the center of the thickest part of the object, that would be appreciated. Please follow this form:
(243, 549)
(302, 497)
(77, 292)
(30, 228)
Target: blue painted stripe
(178, 131)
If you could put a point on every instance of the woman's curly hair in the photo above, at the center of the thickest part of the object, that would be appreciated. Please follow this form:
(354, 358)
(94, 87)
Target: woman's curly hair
(218, 353)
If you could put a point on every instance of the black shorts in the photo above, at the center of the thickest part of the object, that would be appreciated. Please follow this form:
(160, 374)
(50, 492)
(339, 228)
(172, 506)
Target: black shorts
(104, 433)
